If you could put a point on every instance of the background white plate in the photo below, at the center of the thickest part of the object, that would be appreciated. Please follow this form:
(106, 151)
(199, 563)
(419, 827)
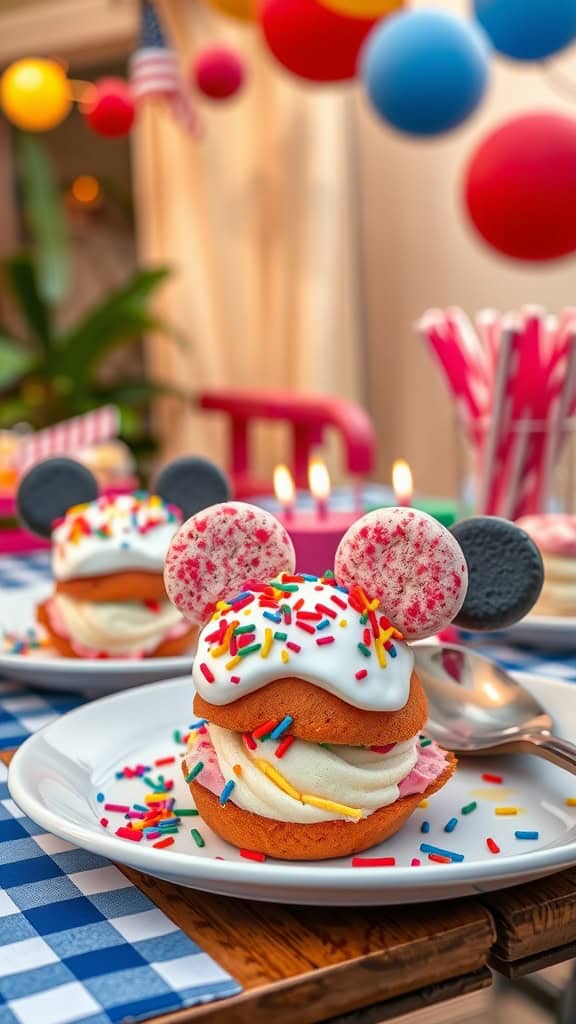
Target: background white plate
(546, 632)
(49, 670)
(56, 775)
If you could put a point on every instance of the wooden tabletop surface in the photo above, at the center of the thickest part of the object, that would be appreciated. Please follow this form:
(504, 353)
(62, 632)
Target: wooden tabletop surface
(302, 965)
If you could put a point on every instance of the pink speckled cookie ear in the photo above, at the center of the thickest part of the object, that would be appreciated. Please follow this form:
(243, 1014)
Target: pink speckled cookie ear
(216, 552)
(411, 563)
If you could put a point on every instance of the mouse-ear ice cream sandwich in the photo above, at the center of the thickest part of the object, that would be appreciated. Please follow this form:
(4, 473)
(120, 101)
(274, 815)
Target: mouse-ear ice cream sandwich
(108, 555)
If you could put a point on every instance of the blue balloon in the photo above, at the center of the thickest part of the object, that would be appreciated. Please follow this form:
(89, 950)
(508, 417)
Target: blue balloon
(528, 29)
(425, 71)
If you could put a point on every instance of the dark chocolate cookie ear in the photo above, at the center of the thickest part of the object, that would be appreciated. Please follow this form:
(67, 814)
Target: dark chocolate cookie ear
(192, 483)
(505, 573)
(49, 489)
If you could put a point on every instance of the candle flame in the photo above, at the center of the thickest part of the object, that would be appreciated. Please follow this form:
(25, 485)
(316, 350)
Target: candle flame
(283, 485)
(319, 479)
(402, 481)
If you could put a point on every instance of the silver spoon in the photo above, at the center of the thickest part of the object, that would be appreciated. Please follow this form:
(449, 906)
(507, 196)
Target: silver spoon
(475, 707)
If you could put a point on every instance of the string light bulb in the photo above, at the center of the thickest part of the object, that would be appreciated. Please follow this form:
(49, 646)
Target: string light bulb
(85, 189)
(35, 94)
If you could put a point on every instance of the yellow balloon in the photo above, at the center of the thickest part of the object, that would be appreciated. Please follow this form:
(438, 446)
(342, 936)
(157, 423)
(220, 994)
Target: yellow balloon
(35, 94)
(245, 10)
(364, 8)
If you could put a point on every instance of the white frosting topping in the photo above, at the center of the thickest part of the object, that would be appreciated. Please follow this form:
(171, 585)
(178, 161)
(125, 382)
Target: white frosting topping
(352, 777)
(127, 532)
(326, 638)
(123, 629)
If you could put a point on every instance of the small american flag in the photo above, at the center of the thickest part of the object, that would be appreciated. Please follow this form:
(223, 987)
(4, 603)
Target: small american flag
(154, 72)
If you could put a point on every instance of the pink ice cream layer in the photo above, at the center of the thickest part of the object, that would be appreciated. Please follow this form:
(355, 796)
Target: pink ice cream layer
(82, 651)
(430, 764)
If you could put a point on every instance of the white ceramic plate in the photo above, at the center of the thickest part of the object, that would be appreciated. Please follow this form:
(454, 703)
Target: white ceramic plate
(546, 632)
(56, 775)
(47, 669)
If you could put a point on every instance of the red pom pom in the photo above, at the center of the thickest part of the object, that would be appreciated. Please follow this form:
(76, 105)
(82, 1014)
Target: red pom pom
(218, 72)
(312, 40)
(110, 108)
(520, 187)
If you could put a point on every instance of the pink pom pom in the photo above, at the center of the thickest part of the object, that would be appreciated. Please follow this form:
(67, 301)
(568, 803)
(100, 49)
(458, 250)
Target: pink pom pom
(218, 550)
(412, 564)
(218, 72)
(110, 108)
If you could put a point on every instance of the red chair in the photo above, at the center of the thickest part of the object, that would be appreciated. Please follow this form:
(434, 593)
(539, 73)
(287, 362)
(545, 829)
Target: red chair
(309, 416)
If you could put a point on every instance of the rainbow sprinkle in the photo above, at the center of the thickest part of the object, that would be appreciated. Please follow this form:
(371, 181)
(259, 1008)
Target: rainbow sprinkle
(468, 808)
(438, 852)
(195, 771)
(113, 516)
(283, 746)
(281, 727)
(373, 862)
(15, 643)
(285, 601)
(253, 855)
(226, 792)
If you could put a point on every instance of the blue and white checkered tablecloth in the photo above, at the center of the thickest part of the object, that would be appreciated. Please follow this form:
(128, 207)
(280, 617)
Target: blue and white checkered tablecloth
(20, 571)
(80, 943)
(24, 711)
(551, 664)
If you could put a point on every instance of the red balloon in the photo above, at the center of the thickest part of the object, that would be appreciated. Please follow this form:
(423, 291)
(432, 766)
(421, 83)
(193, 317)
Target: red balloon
(520, 187)
(311, 40)
(110, 108)
(218, 72)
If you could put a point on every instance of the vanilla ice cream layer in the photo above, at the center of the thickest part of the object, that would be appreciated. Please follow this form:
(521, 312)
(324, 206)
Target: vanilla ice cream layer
(356, 781)
(122, 629)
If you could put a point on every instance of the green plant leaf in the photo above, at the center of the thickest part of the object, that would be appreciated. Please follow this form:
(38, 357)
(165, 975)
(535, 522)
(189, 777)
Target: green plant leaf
(43, 210)
(120, 318)
(21, 280)
(15, 410)
(138, 392)
(15, 361)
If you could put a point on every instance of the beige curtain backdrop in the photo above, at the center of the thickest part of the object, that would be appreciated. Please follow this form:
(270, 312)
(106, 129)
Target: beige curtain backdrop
(308, 237)
(257, 219)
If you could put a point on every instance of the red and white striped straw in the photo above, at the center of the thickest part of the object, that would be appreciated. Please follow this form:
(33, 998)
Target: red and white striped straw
(495, 451)
(68, 437)
(562, 408)
(489, 326)
(469, 392)
(513, 382)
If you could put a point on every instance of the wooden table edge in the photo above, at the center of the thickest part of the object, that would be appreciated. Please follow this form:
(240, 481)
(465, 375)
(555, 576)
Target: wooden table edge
(241, 1009)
